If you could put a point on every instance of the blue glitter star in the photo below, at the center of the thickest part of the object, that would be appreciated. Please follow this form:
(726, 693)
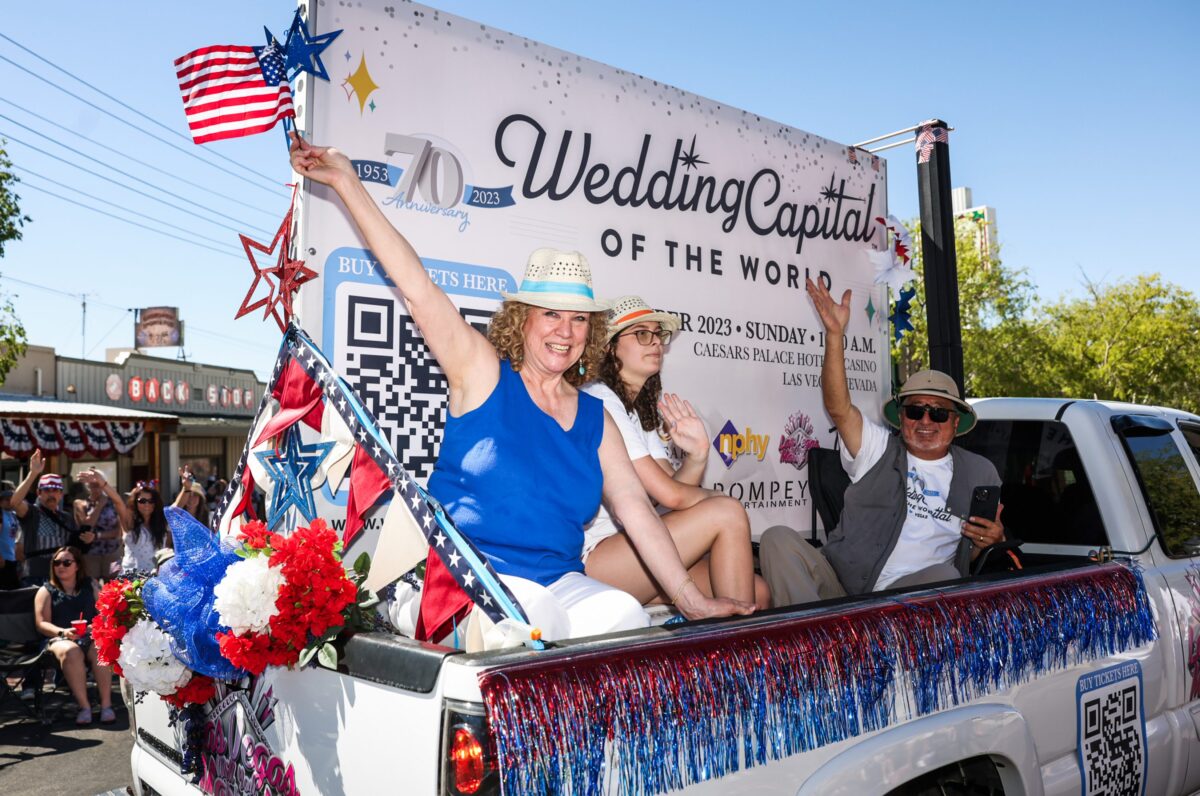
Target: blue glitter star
(292, 470)
(303, 52)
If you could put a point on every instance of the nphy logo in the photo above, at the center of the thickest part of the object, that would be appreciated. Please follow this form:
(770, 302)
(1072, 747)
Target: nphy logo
(730, 443)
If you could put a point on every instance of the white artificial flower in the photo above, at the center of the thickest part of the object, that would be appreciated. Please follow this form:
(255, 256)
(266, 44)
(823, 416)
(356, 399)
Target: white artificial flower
(147, 661)
(245, 597)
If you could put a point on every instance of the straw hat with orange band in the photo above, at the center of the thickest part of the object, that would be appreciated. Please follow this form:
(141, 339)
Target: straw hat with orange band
(629, 310)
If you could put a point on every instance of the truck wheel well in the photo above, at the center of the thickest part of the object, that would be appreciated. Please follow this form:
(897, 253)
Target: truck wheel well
(975, 776)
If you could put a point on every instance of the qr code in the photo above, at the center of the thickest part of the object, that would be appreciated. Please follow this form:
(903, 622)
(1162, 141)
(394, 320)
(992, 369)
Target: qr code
(1112, 743)
(385, 359)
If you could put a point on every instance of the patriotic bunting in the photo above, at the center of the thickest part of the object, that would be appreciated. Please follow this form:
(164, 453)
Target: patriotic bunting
(125, 436)
(17, 439)
(313, 441)
(45, 435)
(74, 443)
(95, 437)
(926, 138)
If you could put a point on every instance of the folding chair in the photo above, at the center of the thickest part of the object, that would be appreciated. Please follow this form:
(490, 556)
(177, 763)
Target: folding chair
(827, 483)
(22, 647)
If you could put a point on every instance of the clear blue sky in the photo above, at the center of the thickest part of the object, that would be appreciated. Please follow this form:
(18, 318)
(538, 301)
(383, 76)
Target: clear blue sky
(1074, 121)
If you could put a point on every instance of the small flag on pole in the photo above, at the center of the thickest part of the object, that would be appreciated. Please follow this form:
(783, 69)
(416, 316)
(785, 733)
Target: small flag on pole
(230, 91)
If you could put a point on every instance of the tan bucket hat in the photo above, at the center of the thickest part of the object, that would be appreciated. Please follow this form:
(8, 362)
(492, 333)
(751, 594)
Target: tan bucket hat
(629, 310)
(935, 383)
(557, 280)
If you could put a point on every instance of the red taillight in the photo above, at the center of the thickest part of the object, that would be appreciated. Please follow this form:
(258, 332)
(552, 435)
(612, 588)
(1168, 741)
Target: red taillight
(466, 754)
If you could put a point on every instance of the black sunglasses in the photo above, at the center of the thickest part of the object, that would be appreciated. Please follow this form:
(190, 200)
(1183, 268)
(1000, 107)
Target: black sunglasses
(937, 414)
(63, 562)
(146, 500)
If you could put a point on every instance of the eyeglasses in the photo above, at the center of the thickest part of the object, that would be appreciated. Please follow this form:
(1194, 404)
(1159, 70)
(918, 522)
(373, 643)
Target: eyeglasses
(147, 501)
(937, 414)
(646, 336)
(64, 562)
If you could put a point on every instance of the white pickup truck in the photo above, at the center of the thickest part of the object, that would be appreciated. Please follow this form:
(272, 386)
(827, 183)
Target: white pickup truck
(1078, 673)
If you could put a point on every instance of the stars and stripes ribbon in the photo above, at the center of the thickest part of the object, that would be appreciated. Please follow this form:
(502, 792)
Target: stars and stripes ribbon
(926, 138)
(231, 90)
(304, 390)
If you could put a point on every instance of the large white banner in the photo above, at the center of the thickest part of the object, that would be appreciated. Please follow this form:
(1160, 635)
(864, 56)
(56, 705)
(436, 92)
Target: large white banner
(481, 146)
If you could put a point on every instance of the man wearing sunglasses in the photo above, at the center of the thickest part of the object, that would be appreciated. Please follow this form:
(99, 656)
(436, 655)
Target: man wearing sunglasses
(45, 527)
(905, 518)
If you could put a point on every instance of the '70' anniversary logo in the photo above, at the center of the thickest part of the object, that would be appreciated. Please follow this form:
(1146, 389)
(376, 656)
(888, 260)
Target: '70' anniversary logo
(432, 182)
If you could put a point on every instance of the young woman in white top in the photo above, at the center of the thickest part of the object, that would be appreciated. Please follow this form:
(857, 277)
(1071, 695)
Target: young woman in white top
(710, 530)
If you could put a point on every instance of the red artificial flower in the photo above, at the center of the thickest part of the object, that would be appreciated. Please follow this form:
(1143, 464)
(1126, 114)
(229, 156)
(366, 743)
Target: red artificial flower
(197, 691)
(114, 616)
(313, 599)
(256, 536)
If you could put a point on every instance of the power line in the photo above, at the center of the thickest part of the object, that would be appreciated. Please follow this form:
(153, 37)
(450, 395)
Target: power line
(171, 144)
(121, 185)
(232, 249)
(118, 152)
(104, 337)
(128, 107)
(190, 327)
(126, 220)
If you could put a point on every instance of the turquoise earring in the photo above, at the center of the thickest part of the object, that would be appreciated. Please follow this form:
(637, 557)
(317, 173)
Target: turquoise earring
(582, 369)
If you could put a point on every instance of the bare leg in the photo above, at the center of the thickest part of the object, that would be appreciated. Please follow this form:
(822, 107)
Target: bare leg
(103, 678)
(70, 659)
(713, 539)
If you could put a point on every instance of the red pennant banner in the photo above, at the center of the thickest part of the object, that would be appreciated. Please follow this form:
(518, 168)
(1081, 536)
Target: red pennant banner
(442, 601)
(299, 399)
(367, 484)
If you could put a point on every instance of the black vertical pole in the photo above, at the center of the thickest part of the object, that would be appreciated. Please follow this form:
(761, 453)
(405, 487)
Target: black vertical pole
(937, 250)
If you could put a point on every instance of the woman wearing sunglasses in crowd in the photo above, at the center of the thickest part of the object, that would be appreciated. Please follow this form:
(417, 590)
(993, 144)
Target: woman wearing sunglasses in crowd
(68, 596)
(711, 531)
(147, 533)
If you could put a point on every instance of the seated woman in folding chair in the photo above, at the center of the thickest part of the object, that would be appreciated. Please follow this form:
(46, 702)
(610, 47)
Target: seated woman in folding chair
(711, 531)
(68, 596)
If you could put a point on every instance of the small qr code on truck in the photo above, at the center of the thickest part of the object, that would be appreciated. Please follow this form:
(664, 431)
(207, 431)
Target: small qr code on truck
(382, 355)
(1112, 731)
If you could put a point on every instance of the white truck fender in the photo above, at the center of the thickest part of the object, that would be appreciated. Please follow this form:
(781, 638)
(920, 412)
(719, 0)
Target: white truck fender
(905, 752)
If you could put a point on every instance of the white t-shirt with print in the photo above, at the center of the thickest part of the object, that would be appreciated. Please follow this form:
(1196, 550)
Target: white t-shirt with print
(638, 443)
(930, 534)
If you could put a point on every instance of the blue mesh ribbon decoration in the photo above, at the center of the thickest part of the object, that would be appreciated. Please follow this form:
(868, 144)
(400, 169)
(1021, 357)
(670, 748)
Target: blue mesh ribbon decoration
(180, 598)
(696, 702)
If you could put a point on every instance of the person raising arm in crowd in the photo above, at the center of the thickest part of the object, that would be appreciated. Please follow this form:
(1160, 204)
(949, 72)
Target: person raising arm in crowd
(44, 525)
(104, 513)
(711, 531)
(525, 457)
(901, 525)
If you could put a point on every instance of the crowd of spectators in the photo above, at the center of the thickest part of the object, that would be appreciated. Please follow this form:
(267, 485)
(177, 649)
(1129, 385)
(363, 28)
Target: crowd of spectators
(67, 548)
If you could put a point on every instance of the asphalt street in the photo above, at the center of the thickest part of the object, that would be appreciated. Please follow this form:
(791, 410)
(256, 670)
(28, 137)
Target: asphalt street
(61, 759)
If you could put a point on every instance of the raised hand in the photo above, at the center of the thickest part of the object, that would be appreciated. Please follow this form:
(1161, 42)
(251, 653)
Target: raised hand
(834, 315)
(36, 463)
(322, 164)
(684, 426)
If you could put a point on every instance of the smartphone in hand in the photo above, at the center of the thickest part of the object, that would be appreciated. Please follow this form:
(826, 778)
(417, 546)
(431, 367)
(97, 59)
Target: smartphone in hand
(985, 502)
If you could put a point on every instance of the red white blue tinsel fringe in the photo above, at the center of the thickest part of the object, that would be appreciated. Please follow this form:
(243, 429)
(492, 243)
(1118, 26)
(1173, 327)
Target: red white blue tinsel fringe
(670, 712)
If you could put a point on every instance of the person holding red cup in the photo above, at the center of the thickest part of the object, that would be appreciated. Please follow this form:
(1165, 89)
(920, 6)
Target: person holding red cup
(63, 608)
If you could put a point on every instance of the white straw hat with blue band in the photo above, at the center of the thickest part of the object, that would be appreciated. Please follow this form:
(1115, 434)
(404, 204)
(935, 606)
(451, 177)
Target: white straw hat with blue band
(557, 280)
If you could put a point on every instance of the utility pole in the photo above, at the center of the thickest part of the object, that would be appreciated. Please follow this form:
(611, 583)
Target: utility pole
(83, 344)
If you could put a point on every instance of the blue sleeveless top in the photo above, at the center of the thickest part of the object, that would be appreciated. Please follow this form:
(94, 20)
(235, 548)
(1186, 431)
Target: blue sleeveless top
(518, 485)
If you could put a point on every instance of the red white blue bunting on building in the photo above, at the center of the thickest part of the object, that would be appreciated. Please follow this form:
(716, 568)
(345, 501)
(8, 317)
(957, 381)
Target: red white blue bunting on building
(20, 437)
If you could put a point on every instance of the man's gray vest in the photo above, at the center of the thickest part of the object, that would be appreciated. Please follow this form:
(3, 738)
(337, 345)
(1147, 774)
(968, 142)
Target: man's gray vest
(876, 507)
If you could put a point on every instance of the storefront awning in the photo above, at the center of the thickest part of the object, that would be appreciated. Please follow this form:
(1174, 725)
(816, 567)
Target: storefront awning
(69, 410)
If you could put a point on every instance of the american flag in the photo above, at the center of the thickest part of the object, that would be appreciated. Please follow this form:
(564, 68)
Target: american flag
(230, 91)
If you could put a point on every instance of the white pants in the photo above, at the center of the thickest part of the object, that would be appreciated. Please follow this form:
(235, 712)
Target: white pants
(572, 607)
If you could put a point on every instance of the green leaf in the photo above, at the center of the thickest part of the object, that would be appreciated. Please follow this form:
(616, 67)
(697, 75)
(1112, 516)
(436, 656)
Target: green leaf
(362, 565)
(307, 655)
(327, 656)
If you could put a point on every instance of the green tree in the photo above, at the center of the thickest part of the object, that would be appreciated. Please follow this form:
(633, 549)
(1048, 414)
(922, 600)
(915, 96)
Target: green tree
(994, 302)
(13, 342)
(1133, 340)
